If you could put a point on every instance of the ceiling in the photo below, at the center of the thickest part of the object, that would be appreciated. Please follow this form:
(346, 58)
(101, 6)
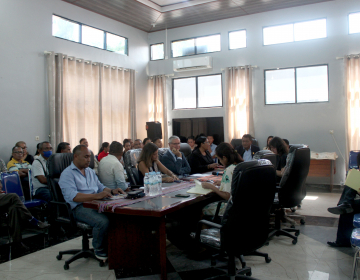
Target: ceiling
(155, 15)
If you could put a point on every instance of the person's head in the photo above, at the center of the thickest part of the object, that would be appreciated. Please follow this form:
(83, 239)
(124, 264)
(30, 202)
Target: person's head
(227, 154)
(138, 144)
(105, 147)
(37, 149)
(84, 141)
(22, 145)
(211, 139)
(17, 153)
(131, 143)
(45, 149)
(116, 149)
(146, 140)
(82, 156)
(278, 146)
(127, 145)
(202, 143)
(149, 154)
(158, 142)
(63, 147)
(191, 141)
(268, 140)
(174, 143)
(246, 141)
(287, 143)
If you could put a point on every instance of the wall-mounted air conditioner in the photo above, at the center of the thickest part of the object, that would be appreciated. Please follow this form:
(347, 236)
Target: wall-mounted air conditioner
(191, 64)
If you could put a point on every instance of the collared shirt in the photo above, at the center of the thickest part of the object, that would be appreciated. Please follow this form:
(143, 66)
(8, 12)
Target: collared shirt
(72, 182)
(14, 165)
(247, 155)
(111, 173)
(38, 168)
(212, 147)
(175, 156)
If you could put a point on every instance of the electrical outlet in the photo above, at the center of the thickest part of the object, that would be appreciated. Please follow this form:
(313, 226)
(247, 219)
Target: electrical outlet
(37, 138)
(331, 131)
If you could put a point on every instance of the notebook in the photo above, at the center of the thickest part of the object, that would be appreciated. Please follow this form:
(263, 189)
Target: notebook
(353, 179)
(198, 189)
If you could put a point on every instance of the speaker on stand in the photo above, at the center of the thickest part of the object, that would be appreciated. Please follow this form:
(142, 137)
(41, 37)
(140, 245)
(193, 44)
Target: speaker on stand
(153, 130)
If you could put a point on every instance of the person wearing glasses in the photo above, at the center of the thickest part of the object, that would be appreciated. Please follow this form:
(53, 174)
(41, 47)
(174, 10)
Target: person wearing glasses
(26, 156)
(174, 160)
(200, 159)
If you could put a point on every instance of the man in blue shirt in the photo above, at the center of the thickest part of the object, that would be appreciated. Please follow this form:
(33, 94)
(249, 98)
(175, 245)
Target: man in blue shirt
(79, 184)
(246, 150)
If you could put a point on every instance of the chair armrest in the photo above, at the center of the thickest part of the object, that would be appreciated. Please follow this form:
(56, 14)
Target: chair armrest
(69, 211)
(218, 209)
(199, 228)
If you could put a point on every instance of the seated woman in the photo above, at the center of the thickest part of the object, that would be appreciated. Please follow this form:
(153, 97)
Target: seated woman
(267, 142)
(278, 147)
(104, 151)
(229, 158)
(149, 162)
(200, 159)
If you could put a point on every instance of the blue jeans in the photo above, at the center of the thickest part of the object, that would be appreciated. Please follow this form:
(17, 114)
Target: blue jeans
(98, 221)
(43, 193)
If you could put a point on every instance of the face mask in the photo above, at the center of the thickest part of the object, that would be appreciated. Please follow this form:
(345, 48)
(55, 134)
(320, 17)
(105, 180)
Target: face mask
(47, 154)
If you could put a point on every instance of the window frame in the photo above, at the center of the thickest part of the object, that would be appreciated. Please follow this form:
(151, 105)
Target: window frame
(293, 24)
(295, 79)
(150, 51)
(197, 92)
(229, 39)
(171, 45)
(80, 36)
(348, 20)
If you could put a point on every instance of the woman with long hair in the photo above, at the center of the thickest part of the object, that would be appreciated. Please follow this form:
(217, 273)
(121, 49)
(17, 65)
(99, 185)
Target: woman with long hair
(278, 147)
(104, 150)
(228, 157)
(149, 162)
(200, 159)
(267, 142)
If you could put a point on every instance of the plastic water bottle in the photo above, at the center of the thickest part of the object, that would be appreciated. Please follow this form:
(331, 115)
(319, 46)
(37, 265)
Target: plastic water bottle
(146, 184)
(152, 182)
(159, 183)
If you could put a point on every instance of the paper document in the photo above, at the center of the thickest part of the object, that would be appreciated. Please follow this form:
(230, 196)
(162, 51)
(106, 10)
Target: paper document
(353, 179)
(198, 189)
(199, 175)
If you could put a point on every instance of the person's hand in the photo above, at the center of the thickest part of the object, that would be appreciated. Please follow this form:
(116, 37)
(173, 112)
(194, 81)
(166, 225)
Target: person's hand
(208, 186)
(213, 165)
(177, 153)
(174, 177)
(102, 195)
(118, 190)
(217, 183)
(168, 179)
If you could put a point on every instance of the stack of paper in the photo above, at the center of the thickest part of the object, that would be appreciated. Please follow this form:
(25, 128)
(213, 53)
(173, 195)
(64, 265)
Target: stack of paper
(198, 189)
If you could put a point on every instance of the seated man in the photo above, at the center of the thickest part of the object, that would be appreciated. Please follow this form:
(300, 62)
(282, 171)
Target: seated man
(111, 171)
(212, 146)
(26, 156)
(63, 147)
(22, 167)
(246, 149)
(84, 141)
(138, 144)
(174, 160)
(158, 142)
(79, 184)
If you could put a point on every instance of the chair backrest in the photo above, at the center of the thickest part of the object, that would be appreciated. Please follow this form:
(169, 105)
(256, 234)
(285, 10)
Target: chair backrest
(245, 222)
(266, 154)
(162, 151)
(12, 184)
(131, 162)
(353, 164)
(236, 142)
(255, 142)
(31, 185)
(292, 185)
(186, 149)
(92, 161)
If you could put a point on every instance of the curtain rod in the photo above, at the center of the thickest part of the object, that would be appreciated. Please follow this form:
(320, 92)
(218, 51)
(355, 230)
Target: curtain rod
(166, 75)
(348, 56)
(241, 67)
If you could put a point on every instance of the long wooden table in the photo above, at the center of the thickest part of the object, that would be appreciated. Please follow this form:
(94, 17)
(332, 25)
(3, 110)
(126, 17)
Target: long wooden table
(137, 234)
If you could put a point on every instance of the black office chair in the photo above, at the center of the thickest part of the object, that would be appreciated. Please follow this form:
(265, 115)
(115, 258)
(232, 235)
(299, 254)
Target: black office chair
(243, 231)
(63, 214)
(266, 154)
(292, 188)
(131, 162)
(236, 142)
(185, 148)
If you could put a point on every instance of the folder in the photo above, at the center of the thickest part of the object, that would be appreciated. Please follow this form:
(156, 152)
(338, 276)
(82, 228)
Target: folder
(198, 189)
(353, 179)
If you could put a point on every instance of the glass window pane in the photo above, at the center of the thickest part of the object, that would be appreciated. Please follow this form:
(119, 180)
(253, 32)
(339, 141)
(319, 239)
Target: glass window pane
(209, 91)
(157, 51)
(182, 48)
(115, 43)
(185, 93)
(92, 37)
(312, 84)
(354, 23)
(208, 44)
(280, 86)
(278, 34)
(237, 39)
(65, 29)
(310, 30)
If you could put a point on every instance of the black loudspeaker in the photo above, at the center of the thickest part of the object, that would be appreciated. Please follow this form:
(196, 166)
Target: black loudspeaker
(153, 130)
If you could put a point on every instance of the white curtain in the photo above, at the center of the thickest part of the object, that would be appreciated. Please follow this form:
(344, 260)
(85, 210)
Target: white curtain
(199, 126)
(352, 70)
(239, 102)
(89, 100)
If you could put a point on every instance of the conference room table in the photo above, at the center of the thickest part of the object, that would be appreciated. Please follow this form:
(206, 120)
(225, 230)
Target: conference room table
(137, 232)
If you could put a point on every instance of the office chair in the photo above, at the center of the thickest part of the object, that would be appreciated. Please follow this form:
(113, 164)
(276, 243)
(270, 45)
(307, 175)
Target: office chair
(162, 151)
(292, 189)
(255, 142)
(236, 142)
(266, 154)
(63, 214)
(131, 162)
(243, 232)
(185, 148)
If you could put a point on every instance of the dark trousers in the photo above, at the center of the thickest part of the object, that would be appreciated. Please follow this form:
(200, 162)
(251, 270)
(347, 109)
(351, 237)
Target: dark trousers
(11, 204)
(345, 226)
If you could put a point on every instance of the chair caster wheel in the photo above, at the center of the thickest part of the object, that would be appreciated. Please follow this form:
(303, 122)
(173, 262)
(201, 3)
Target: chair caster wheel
(268, 260)
(66, 266)
(294, 241)
(101, 264)
(297, 233)
(59, 257)
(302, 221)
(249, 274)
(292, 226)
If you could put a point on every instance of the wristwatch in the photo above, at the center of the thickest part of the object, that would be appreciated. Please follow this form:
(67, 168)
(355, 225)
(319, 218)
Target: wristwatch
(112, 192)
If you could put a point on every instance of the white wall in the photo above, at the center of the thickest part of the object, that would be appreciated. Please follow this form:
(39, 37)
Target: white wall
(25, 33)
(300, 123)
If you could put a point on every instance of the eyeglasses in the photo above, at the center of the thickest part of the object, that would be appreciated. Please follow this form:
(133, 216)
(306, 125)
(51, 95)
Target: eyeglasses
(17, 152)
(207, 142)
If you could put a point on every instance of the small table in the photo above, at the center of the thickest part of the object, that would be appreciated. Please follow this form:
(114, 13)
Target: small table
(323, 168)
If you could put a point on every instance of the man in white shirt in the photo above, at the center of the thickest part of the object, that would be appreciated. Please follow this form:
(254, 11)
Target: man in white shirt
(111, 171)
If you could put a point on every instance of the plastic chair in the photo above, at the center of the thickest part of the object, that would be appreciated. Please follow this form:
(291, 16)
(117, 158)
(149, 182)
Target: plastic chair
(353, 164)
(355, 241)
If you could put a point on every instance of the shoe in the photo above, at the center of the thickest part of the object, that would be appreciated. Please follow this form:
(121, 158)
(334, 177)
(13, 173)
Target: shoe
(42, 225)
(336, 244)
(341, 209)
(101, 254)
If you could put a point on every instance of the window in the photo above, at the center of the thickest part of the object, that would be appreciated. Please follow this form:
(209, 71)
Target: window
(297, 85)
(87, 35)
(157, 51)
(237, 39)
(197, 45)
(300, 31)
(197, 92)
(354, 23)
